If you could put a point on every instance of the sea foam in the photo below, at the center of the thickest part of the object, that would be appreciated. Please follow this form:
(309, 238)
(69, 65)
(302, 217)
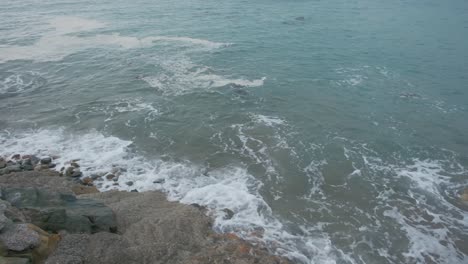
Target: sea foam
(58, 41)
(230, 187)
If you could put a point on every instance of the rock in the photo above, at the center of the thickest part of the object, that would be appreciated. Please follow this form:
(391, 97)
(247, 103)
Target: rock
(75, 165)
(16, 157)
(80, 189)
(4, 221)
(134, 190)
(19, 237)
(3, 163)
(129, 183)
(76, 173)
(110, 176)
(41, 167)
(87, 181)
(159, 181)
(55, 211)
(46, 160)
(69, 171)
(52, 165)
(228, 214)
(464, 195)
(158, 232)
(28, 167)
(14, 260)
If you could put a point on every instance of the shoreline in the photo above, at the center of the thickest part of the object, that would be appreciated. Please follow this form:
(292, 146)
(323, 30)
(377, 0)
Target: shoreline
(68, 220)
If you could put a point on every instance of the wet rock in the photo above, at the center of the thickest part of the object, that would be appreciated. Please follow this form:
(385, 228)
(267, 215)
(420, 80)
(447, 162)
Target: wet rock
(3, 163)
(129, 183)
(76, 173)
(75, 165)
(159, 181)
(52, 165)
(69, 171)
(19, 237)
(134, 190)
(46, 160)
(16, 157)
(199, 207)
(87, 181)
(228, 214)
(464, 195)
(110, 176)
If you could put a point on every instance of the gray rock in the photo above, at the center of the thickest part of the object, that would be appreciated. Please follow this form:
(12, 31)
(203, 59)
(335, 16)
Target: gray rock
(76, 173)
(129, 183)
(228, 213)
(4, 221)
(69, 171)
(2, 163)
(46, 160)
(19, 237)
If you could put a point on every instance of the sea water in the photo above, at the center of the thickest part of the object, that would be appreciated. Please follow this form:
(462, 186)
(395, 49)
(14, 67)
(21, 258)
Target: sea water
(336, 131)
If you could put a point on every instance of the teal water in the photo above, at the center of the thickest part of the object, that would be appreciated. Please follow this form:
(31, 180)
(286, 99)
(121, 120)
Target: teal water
(335, 130)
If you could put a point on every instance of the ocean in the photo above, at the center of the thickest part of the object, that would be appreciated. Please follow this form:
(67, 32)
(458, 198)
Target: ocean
(336, 131)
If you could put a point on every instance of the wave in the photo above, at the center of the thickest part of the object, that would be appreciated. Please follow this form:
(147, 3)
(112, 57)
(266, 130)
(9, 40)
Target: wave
(230, 187)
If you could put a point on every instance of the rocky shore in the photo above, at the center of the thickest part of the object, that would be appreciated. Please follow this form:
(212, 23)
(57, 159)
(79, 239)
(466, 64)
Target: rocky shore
(57, 217)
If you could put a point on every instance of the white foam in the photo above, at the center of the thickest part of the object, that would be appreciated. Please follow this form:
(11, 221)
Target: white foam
(180, 76)
(268, 120)
(20, 82)
(57, 43)
(229, 187)
(425, 243)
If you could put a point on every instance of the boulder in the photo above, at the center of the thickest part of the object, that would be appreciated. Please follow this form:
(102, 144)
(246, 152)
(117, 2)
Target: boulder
(19, 237)
(55, 211)
(46, 160)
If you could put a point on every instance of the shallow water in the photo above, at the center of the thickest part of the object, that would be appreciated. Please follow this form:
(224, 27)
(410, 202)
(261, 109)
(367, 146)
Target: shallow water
(335, 130)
